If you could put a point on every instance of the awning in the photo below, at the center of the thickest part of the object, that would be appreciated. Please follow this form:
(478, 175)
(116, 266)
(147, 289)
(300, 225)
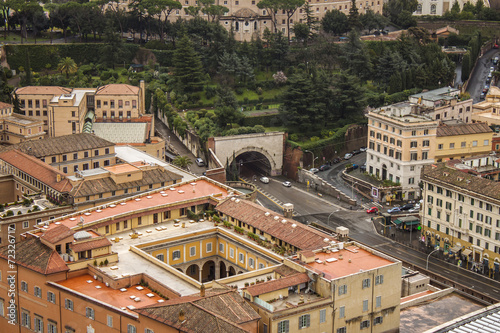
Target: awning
(466, 252)
(410, 223)
(456, 248)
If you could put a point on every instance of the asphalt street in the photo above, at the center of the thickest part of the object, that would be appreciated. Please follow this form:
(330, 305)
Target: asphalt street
(477, 80)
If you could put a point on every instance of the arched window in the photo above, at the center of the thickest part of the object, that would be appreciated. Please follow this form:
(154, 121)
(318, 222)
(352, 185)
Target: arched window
(433, 9)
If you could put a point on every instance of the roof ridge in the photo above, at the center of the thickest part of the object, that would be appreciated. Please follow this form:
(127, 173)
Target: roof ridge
(217, 316)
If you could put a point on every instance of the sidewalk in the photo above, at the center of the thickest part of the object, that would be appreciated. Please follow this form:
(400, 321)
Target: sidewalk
(403, 237)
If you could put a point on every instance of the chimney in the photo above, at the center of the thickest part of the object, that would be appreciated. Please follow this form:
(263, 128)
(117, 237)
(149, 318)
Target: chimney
(142, 101)
(202, 290)
(182, 317)
(58, 178)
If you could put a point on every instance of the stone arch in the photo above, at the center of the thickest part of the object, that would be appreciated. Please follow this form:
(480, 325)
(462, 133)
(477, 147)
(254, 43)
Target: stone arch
(193, 271)
(208, 271)
(249, 149)
(231, 271)
(180, 270)
(222, 270)
(240, 272)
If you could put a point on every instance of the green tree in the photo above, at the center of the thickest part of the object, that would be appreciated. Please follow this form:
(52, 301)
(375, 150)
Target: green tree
(301, 31)
(353, 18)
(290, 7)
(182, 161)
(355, 56)
(113, 51)
(335, 22)
(310, 19)
(272, 7)
(188, 69)
(67, 66)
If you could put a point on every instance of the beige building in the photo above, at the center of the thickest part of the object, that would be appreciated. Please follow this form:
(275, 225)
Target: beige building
(15, 128)
(400, 143)
(488, 111)
(71, 153)
(457, 140)
(66, 111)
(461, 208)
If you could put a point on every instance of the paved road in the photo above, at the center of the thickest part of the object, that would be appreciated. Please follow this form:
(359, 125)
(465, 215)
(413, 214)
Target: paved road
(478, 77)
(172, 143)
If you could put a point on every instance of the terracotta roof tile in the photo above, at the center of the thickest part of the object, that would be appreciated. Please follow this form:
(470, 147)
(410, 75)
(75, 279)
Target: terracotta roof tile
(89, 245)
(441, 172)
(462, 129)
(93, 186)
(5, 105)
(56, 234)
(117, 89)
(217, 312)
(274, 285)
(37, 169)
(32, 254)
(42, 90)
(299, 235)
(61, 145)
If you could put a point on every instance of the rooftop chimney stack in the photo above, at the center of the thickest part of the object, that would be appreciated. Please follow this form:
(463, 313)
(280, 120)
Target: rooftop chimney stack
(202, 290)
(182, 317)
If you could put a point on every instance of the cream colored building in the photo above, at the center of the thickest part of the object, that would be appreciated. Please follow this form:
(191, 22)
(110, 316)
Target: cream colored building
(15, 128)
(67, 111)
(400, 143)
(439, 7)
(488, 111)
(461, 207)
(457, 140)
(249, 22)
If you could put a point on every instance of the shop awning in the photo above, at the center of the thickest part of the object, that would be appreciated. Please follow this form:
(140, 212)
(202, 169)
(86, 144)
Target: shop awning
(408, 220)
(456, 248)
(415, 222)
(466, 252)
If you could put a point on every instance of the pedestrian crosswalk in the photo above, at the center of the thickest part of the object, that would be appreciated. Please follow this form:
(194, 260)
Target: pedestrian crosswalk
(368, 205)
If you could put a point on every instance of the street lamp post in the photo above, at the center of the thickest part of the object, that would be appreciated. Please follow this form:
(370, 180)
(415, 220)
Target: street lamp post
(308, 151)
(328, 221)
(427, 263)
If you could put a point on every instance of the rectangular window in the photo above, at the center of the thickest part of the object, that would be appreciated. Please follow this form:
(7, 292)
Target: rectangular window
(342, 330)
(242, 257)
(342, 312)
(377, 320)
(474, 143)
(110, 321)
(251, 262)
(343, 289)
(366, 283)
(131, 329)
(89, 313)
(25, 319)
(51, 297)
(304, 321)
(365, 305)
(379, 279)
(38, 324)
(452, 145)
(221, 248)
(68, 304)
(284, 326)
(51, 327)
(192, 251)
(209, 247)
(24, 286)
(322, 316)
(38, 292)
(365, 324)
(231, 253)
(378, 301)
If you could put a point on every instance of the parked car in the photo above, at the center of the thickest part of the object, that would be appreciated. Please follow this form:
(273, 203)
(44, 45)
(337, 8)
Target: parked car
(407, 206)
(200, 162)
(362, 149)
(363, 167)
(372, 210)
(336, 160)
(287, 184)
(495, 60)
(355, 166)
(413, 210)
(347, 156)
(324, 167)
(264, 180)
(482, 96)
(314, 170)
(356, 151)
(394, 210)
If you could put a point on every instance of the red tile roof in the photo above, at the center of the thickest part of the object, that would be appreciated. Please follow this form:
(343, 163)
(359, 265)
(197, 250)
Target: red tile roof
(37, 169)
(34, 255)
(462, 129)
(216, 312)
(274, 285)
(56, 234)
(291, 232)
(117, 89)
(42, 90)
(5, 105)
(90, 245)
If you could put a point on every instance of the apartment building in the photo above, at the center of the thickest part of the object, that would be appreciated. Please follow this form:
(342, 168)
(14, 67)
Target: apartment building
(15, 128)
(71, 153)
(65, 111)
(457, 140)
(439, 7)
(461, 208)
(400, 143)
(488, 111)
(442, 104)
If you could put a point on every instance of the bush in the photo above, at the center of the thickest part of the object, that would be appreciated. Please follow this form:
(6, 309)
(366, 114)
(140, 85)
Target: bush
(105, 75)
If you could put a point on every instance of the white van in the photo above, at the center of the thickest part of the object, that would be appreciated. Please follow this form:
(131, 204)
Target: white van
(199, 162)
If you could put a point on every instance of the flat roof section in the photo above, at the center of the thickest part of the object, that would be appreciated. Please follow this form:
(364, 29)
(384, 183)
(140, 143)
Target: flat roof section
(86, 285)
(121, 168)
(150, 200)
(333, 267)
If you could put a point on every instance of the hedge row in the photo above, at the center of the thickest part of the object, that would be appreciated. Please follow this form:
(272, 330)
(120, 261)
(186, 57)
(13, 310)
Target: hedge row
(269, 120)
(41, 55)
